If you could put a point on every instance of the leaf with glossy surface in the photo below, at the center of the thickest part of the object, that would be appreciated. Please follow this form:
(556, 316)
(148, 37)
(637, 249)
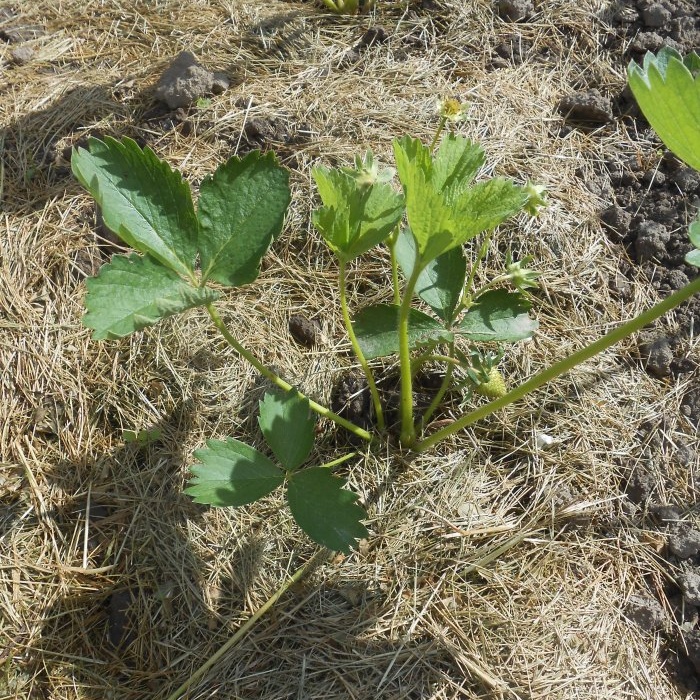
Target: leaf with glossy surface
(376, 328)
(355, 216)
(498, 315)
(232, 473)
(287, 423)
(241, 210)
(667, 89)
(133, 292)
(324, 510)
(146, 203)
(441, 282)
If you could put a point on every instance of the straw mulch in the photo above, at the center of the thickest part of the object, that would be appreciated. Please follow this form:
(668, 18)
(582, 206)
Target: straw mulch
(494, 568)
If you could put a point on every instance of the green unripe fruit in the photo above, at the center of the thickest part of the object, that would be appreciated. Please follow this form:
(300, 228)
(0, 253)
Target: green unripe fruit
(495, 387)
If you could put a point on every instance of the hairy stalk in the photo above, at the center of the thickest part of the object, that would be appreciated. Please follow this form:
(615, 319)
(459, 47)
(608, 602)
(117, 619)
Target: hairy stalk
(391, 242)
(437, 399)
(565, 365)
(243, 629)
(278, 381)
(408, 429)
(467, 295)
(342, 282)
(438, 131)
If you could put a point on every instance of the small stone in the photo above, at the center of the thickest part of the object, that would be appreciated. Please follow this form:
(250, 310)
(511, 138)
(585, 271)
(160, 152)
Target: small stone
(646, 612)
(657, 356)
(656, 16)
(220, 83)
(185, 80)
(687, 179)
(689, 582)
(515, 10)
(684, 540)
(304, 331)
(21, 55)
(690, 406)
(651, 241)
(617, 221)
(640, 486)
(589, 106)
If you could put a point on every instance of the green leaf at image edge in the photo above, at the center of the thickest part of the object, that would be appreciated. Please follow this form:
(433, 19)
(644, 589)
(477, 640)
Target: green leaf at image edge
(324, 510)
(288, 424)
(499, 316)
(131, 293)
(232, 473)
(241, 210)
(146, 203)
(376, 330)
(693, 257)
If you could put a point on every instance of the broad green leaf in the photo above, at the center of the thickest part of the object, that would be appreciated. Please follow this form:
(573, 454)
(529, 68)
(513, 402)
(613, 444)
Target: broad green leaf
(498, 315)
(693, 257)
(288, 426)
(241, 211)
(377, 334)
(456, 164)
(133, 292)
(232, 473)
(355, 216)
(148, 205)
(667, 89)
(142, 437)
(324, 510)
(441, 281)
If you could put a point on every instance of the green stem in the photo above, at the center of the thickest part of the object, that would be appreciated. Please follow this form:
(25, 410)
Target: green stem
(243, 629)
(416, 362)
(408, 429)
(278, 381)
(340, 460)
(342, 281)
(437, 399)
(565, 365)
(467, 295)
(391, 242)
(441, 126)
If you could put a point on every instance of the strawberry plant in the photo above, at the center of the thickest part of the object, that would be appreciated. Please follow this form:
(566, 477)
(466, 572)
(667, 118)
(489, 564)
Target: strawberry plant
(185, 255)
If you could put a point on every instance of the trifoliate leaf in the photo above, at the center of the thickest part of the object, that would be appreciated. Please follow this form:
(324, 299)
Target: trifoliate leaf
(241, 211)
(148, 205)
(377, 334)
(357, 215)
(232, 473)
(498, 315)
(324, 510)
(133, 292)
(288, 426)
(441, 281)
(667, 88)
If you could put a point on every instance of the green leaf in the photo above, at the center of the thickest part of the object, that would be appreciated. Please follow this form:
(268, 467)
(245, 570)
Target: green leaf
(324, 510)
(377, 334)
(441, 281)
(142, 437)
(232, 473)
(241, 211)
(355, 216)
(131, 293)
(148, 205)
(667, 89)
(693, 257)
(456, 164)
(288, 426)
(498, 315)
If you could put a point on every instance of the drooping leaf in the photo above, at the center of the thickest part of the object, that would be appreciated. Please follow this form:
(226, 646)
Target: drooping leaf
(232, 473)
(441, 281)
(667, 89)
(324, 510)
(148, 205)
(241, 210)
(498, 315)
(133, 292)
(693, 257)
(288, 426)
(376, 330)
(356, 216)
